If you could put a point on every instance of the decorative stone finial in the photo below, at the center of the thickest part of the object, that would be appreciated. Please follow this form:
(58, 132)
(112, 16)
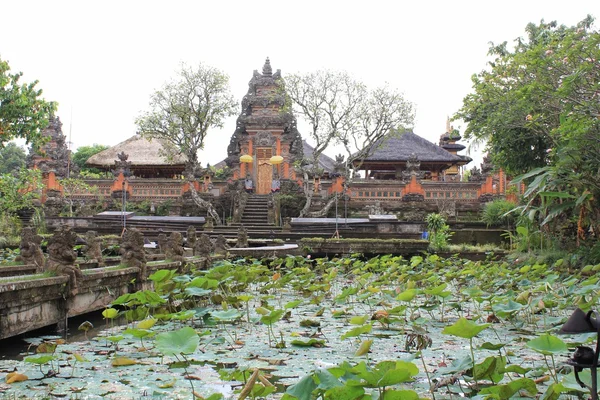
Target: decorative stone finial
(448, 127)
(267, 70)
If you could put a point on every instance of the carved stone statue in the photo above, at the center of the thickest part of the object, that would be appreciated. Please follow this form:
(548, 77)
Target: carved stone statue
(340, 165)
(191, 239)
(62, 257)
(486, 165)
(413, 168)
(221, 245)
(132, 251)
(242, 237)
(204, 249)
(122, 165)
(31, 251)
(175, 247)
(204, 246)
(375, 209)
(93, 248)
(209, 226)
(162, 242)
(476, 175)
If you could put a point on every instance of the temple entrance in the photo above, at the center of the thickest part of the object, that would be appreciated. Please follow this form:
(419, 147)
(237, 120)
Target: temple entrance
(264, 170)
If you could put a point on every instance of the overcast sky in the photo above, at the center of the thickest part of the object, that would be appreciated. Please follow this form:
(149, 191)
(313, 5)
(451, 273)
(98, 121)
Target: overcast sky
(101, 60)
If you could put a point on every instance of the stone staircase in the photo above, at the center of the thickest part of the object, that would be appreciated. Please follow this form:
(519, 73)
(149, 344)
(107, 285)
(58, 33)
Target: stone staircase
(256, 212)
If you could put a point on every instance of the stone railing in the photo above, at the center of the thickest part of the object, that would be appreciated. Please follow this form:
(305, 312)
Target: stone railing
(454, 191)
(366, 189)
(101, 188)
(156, 189)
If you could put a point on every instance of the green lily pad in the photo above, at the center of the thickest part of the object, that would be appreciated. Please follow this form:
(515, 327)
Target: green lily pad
(182, 341)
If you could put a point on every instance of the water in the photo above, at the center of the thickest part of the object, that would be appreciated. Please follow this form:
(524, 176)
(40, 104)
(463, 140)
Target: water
(15, 348)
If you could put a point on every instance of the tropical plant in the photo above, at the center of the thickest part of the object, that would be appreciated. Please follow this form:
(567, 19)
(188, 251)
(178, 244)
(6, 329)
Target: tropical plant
(23, 112)
(535, 106)
(439, 232)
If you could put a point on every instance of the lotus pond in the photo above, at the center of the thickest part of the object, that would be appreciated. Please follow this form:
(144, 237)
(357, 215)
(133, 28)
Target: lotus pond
(294, 328)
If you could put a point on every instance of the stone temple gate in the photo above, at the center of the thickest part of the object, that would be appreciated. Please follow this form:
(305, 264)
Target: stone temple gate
(264, 130)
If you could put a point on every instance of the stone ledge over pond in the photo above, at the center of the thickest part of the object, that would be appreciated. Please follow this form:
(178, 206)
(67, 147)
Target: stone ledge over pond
(334, 246)
(32, 302)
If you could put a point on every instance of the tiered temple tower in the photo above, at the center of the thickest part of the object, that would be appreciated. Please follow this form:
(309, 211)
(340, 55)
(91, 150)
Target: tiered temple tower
(266, 128)
(448, 142)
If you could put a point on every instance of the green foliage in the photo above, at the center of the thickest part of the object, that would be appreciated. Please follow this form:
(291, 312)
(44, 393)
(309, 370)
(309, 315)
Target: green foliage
(72, 187)
(290, 205)
(498, 212)
(439, 232)
(221, 173)
(19, 191)
(82, 154)
(23, 112)
(183, 121)
(536, 107)
(12, 158)
(10, 229)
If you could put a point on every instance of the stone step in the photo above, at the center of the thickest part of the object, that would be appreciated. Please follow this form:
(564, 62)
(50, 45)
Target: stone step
(259, 212)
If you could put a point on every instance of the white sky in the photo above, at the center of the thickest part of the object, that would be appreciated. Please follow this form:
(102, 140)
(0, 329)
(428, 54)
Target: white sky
(101, 60)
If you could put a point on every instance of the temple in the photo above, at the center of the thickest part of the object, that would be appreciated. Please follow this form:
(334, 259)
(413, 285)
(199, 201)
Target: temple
(148, 158)
(266, 141)
(388, 158)
(400, 174)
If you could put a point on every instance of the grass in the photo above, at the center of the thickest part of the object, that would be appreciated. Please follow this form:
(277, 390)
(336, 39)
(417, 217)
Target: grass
(12, 279)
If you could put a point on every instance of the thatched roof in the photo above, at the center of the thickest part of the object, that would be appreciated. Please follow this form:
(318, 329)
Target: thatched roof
(325, 162)
(141, 152)
(398, 146)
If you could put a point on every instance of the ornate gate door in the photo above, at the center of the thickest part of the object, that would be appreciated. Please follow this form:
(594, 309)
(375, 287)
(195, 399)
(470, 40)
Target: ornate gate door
(265, 170)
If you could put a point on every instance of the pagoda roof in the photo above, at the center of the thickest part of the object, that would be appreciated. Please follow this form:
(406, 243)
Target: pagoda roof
(399, 146)
(141, 151)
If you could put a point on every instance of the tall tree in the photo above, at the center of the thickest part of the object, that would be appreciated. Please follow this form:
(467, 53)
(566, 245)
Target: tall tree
(23, 112)
(342, 110)
(83, 153)
(184, 110)
(12, 158)
(537, 106)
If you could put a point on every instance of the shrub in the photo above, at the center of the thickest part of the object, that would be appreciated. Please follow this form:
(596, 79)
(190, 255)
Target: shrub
(439, 232)
(498, 212)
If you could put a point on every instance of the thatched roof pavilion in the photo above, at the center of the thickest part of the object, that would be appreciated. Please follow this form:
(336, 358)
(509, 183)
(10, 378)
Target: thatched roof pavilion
(389, 156)
(149, 158)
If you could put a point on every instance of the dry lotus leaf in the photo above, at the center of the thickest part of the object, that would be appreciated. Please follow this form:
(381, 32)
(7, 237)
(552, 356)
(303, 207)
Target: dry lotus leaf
(15, 377)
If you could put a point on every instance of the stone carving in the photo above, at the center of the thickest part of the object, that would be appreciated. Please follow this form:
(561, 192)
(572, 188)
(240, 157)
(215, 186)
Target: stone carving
(191, 239)
(221, 245)
(476, 175)
(54, 155)
(267, 70)
(262, 107)
(204, 249)
(62, 257)
(340, 165)
(175, 247)
(209, 225)
(410, 197)
(162, 242)
(93, 248)
(264, 139)
(122, 165)
(242, 237)
(375, 209)
(486, 165)
(413, 168)
(132, 251)
(30, 249)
